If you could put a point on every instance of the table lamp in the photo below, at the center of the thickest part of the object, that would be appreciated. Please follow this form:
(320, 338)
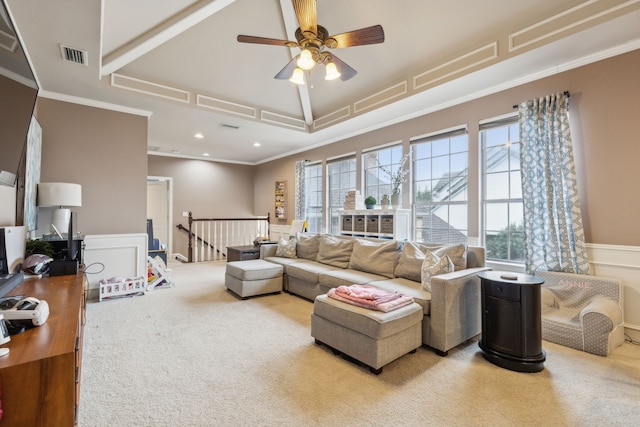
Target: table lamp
(60, 194)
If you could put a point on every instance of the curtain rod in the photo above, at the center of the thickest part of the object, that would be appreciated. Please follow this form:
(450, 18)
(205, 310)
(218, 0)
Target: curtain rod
(566, 93)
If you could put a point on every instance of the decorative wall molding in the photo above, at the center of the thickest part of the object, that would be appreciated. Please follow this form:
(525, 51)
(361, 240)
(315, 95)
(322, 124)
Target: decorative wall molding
(623, 263)
(280, 119)
(333, 117)
(149, 88)
(121, 255)
(382, 97)
(456, 66)
(583, 14)
(225, 106)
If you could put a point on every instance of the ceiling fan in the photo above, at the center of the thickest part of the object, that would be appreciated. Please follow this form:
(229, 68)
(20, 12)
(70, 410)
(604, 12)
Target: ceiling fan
(313, 40)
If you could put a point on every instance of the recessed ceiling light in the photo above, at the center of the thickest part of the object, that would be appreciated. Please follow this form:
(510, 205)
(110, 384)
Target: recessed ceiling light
(198, 135)
(206, 154)
(256, 144)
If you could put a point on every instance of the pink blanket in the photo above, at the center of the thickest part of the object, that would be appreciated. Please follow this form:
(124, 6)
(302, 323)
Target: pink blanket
(370, 297)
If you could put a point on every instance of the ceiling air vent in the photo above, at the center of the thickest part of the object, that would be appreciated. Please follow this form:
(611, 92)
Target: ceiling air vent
(74, 55)
(226, 125)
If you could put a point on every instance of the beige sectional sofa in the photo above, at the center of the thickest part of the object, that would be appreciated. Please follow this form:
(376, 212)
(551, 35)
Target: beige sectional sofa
(315, 263)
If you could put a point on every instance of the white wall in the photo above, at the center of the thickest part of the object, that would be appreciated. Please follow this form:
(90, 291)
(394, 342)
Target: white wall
(7, 205)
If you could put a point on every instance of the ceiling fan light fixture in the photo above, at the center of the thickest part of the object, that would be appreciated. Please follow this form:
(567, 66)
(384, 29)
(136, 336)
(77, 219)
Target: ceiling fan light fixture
(297, 77)
(331, 72)
(305, 61)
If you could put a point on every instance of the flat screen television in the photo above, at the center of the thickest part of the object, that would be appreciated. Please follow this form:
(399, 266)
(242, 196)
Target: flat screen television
(19, 92)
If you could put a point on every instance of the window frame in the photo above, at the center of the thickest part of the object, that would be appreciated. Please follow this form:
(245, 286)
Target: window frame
(513, 203)
(420, 183)
(313, 214)
(395, 153)
(342, 188)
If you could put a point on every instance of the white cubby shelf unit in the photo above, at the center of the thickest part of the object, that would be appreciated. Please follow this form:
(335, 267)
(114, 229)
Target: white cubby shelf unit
(376, 223)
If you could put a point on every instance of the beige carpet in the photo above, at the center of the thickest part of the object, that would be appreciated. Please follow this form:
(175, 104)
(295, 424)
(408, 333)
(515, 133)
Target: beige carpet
(194, 355)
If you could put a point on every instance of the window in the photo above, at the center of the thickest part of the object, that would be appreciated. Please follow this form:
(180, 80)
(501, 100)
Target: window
(503, 221)
(440, 187)
(313, 196)
(342, 178)
(376, 182)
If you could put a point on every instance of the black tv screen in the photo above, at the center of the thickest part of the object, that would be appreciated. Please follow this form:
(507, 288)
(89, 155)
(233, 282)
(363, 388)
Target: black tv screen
(19, 92)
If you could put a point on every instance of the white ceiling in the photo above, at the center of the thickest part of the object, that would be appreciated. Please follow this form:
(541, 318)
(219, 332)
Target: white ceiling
(435, 54)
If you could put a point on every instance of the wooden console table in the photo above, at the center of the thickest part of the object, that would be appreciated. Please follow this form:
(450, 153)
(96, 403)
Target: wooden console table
(40, 377)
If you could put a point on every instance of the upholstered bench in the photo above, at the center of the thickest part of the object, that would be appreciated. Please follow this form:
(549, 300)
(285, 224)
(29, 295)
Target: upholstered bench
(372, 337)
(253, 277)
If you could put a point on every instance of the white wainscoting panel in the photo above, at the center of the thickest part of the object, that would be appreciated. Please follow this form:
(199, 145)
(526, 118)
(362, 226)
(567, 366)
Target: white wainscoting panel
(279, 230)
(121, 254)
(623, 263)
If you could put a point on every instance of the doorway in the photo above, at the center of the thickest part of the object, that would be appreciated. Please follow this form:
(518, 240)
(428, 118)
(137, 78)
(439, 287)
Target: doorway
(160, 208)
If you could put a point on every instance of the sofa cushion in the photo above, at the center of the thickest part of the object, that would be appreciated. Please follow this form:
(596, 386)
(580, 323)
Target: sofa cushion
(346, 277)
(377, 257)
(409, 288)
(309, 271)
(284, 261)
(254, 269)
(335, 251)
(410, 262)
(308, 245)
(286, 248)
(434, 266)
(457, 253)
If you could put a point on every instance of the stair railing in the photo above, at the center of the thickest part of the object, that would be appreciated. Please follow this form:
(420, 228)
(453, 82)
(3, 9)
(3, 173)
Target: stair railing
(209, 237)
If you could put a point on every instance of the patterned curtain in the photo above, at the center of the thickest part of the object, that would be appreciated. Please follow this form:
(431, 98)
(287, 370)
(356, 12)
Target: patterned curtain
(300, 195)
(554, 237)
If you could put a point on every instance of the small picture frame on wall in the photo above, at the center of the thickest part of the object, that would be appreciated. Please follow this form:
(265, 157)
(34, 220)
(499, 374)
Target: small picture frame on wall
(281, 199)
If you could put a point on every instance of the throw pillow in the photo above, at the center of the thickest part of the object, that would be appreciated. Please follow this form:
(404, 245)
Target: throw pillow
(410, 262)
(374, 256)
(286, 248)
(308, 245)
(335, 251)
(434, 266)
(457, 252)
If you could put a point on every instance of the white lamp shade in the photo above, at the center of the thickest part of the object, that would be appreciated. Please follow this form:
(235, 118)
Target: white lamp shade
(331, 71)
(305, 60)
(59, 194)
(297, 77)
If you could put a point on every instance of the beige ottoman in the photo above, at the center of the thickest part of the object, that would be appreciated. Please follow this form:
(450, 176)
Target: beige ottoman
(371, 337)
(253, 277)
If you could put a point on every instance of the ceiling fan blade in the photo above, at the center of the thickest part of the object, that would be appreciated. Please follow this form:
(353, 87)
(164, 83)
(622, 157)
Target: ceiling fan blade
(262, 40)
(306, 14)
(363, 36)
(287, 71)
(346, 72)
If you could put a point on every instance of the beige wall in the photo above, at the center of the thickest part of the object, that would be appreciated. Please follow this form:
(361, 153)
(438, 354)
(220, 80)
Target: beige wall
(105, 152)
(207, 189)
(605, 122)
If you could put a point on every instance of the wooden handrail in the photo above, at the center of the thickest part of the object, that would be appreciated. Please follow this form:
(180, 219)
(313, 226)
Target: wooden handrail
(200, 239)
